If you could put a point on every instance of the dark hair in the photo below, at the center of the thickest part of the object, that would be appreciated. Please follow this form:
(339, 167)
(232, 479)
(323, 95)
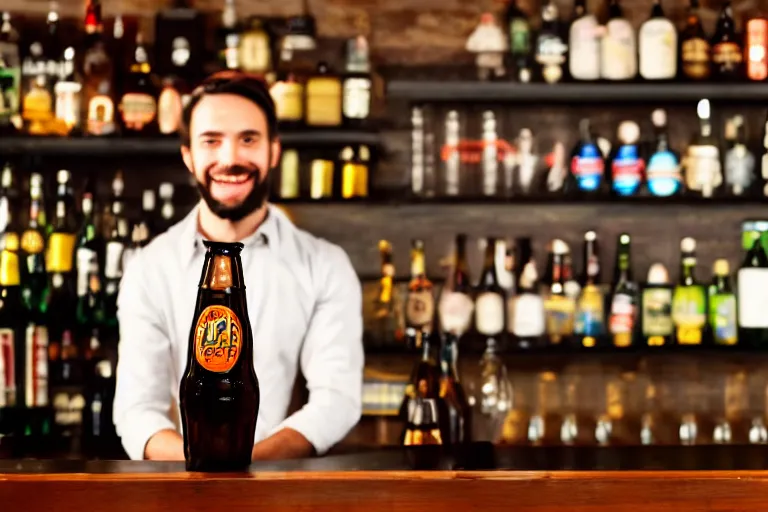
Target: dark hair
(248, 86)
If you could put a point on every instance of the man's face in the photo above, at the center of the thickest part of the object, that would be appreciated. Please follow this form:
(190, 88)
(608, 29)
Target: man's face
(230, 154)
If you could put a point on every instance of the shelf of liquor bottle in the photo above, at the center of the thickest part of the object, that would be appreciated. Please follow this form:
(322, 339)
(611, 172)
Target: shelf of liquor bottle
(159, 146)
(574, 93)
(395, 198)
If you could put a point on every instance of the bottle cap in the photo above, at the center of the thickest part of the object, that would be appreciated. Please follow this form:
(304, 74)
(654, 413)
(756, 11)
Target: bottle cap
(658, 274)
(688, 244)
(721, 267)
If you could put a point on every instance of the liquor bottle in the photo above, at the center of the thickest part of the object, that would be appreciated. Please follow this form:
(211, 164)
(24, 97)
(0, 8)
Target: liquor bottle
(559, 308)
(752, 279)
(656, 325)
(756, 48)
(138, 106)
(256, 48)
(587, 163)
(220, 353)
(457, 422)
(98, 427)
(10, 76)
(618, 47)
(658, 46)
(357, 84)
(288, 182)
(525, 309)
(726, 49)
(37, 102)
(348, 172)
(12, 316)
(519, 29)
(663, 177)
(420, 305)
(167, 210)
(703, 173)
(288, 94)
(456, 306)
(68, 91)
(52, 50)
(694, 46)
(490, 299)
(179, 47)
(119, 51)
(116, 236)
(739, 161)
(169, 107)
(422, 427)
(490, 156)
(98, 87)
(228, 38)
(86, 255)
(723, 321)
(550, 48)
(148, 215)
(627, 163)
(302, 31)
(689, 302)
(589, 325)
(362, 160)
(323, 98)
(388, 328)
(584, 44)
(622, 321)
(34, 288)
(8, 201)
(451, 154)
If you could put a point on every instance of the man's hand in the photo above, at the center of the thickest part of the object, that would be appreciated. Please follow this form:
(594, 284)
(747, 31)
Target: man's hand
(165, 445)
(285, 444)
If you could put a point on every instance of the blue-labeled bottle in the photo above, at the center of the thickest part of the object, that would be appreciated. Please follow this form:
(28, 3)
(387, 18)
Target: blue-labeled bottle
(627, 165)
(663, 177)
(587, 162)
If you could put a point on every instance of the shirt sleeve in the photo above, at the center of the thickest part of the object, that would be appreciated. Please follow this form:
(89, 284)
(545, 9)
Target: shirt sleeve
(143, 394)
(332, 357)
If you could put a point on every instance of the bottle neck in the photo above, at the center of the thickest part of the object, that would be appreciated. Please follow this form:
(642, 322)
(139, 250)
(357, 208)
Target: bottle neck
(449, 355)
(687, 268)
(489, 268)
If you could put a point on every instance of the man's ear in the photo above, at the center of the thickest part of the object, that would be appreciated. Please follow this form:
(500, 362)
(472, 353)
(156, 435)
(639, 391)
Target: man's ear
(186, 155)
(276, 149)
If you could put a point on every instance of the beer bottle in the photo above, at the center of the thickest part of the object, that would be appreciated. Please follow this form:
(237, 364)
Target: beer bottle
(457, 423)
(219, 391)
(11, 319)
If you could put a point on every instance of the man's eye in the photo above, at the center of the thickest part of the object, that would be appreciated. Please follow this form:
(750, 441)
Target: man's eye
(249, 141)
(210, 142)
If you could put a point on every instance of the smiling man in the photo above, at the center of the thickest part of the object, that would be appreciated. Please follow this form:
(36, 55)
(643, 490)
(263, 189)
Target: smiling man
(304, 298)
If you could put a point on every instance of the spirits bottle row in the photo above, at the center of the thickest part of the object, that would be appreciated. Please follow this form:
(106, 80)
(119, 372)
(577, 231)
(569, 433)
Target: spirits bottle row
(446, 160)
(586, 48)
(52, 87)
(512, 301)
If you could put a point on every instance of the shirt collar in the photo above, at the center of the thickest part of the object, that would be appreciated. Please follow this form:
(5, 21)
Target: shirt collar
(267, 234)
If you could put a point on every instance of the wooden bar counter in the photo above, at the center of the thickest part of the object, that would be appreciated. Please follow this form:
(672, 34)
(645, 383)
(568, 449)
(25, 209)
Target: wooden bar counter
(678, 479)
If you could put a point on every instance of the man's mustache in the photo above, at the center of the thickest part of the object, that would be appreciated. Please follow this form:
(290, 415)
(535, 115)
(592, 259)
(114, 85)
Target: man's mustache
(232, 170)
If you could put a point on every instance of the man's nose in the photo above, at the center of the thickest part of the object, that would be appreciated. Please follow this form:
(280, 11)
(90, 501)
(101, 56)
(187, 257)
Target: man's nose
(227, 153)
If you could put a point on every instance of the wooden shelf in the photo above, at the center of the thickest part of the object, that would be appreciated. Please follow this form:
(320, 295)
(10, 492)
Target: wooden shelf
(574, 93)
(117, 146)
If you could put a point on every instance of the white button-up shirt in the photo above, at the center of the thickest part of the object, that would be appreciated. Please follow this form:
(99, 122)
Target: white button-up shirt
(305, 308)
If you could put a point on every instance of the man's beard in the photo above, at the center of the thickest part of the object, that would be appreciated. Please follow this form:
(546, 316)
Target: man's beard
(252, 202)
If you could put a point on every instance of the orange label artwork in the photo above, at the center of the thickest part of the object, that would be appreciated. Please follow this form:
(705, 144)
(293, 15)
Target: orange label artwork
(218, 339)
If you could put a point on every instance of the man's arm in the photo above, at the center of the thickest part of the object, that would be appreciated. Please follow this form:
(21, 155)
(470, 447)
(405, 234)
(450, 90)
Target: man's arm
(142, 396)
(332, 363)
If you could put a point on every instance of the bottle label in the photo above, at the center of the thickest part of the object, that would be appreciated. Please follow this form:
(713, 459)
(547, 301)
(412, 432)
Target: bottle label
(456, 310)
(36, 371)
(658, 49)
(753, 298)
(289, 100)
(739, 168)
(489, 313)
(61, 250)
(113, 268)
(420, 309)
(9, 268)
(550, 54)
(584, 61)
(695, 57)
(357, 98)
(84, 258)
(702, 170)
(255, 53)
(68, 102)
(559, 312)
(590, 316)
(663, 174)
(520, 36)
(588, 167)
(101, 115)
(727, 56)
(622, 320)
(619, 55)
(169, 111)
(526, 313)
(722, 319)
(138, 110)
(627, 170)
(218, 339)
(657, 312)
(324, 101)
(7, 369)
(689, 305)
